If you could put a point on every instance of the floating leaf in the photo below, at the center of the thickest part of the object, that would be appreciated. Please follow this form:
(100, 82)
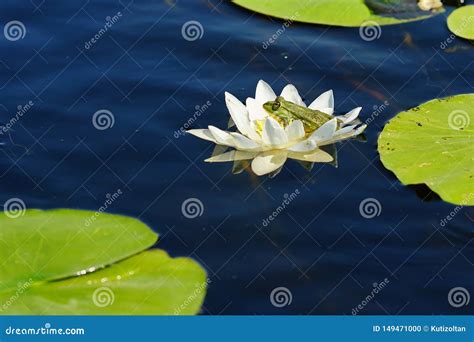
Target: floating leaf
(80, 262)
(461, 22)
(434, 144)
(341, 12)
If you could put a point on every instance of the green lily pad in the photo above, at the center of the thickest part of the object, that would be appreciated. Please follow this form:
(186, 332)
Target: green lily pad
(461, 22)
(352, 13)
(434, 144)
(78, 262)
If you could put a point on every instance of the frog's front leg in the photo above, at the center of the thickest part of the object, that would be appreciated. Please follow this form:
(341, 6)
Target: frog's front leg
(283, 120)
(287, 120)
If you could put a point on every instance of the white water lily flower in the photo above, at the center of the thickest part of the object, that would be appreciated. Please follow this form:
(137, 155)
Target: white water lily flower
(428, 5)
(269, 143)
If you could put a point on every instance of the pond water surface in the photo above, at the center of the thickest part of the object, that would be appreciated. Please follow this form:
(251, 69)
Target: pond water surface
(320, 248)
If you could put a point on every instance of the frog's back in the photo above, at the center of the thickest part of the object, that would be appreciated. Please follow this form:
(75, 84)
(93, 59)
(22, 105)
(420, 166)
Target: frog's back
(312, 119)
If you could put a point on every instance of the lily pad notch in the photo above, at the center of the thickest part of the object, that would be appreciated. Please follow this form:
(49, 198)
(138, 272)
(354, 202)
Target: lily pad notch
(53, 263)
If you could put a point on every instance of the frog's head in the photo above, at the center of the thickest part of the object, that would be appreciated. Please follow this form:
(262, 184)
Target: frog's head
(278, 108)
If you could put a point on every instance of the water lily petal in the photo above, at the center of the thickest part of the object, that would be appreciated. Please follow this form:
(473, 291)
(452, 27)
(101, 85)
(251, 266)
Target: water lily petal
(264, 92)
(273, 133)
(317, 156)
(230, 123)
(219, 149)
(351, 130)
(243, 143)
(325, 132)
(360, 129)
(203, 134)
(304, 146)
(238, 112)
(324, 103)
(344, 130)
(295, 130)
(290, 93)
(232, 156)
(329, 111)
(351, 116)
(222, 137)
(345, 133)
(239, 166)
(255, 109)
(267, 162)
(256, 128)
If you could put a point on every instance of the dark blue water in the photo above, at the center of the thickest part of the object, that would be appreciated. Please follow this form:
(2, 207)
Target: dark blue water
(142, 70)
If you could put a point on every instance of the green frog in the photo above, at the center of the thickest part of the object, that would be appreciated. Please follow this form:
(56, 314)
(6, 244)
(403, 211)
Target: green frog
(286, 112)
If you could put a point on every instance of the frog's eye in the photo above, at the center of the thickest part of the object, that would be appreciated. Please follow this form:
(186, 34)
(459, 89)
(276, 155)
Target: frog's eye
(276, 105)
